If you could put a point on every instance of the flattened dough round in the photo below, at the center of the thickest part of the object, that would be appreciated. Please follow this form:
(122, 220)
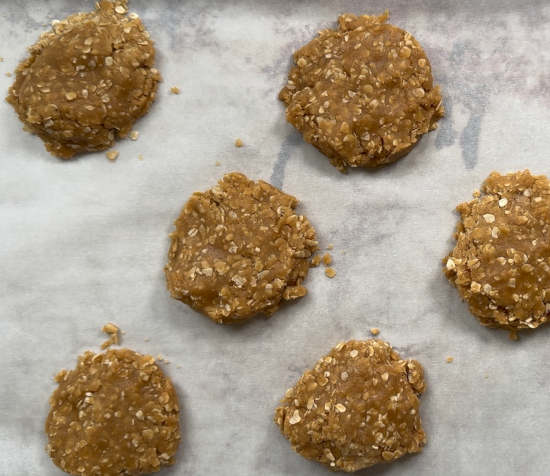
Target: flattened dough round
(500, 264)
(363, 94)
(357, 407)
(115, 414)
(238, 250)
(90, 77)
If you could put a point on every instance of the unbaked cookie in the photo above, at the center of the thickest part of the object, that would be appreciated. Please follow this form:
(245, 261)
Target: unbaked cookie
(500, 264)
(357, 407)
(90, 77)
(115, 414)
(238, 250)
(362, 94)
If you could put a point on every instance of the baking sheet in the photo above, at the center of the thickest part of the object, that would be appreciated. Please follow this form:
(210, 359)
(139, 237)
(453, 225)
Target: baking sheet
(84, 242)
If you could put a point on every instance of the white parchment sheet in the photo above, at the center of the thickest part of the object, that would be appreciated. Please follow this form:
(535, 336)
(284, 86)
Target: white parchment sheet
(84, 242)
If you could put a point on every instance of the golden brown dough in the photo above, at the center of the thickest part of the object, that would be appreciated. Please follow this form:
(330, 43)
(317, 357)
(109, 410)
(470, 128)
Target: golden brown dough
(115, 414)
(362, 94)
(238, 250)
(357, 407)
(500, 264)
(90, 77)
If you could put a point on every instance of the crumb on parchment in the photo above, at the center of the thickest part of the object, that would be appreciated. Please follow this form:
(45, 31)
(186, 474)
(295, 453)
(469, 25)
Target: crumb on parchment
(112, 154)
(113, 340)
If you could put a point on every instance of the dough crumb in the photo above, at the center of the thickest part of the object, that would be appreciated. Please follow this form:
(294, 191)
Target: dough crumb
(315, 261)
(113, 340)
(109, 342)
(175, 90)
(330, 246)
(327, 259)
(112, 154)
(343, 252)
(486, 375)
(178, 366)
(218, 163)
(239, 143)
(476, 194)
(134, 135)
(375, 331)
(449, 359)
(160, 357)
(8, 74)
(140, 157)
(1, 59)
(166, 361)
(330, 272)
(147, 339)
(109, 329)
(513, 335)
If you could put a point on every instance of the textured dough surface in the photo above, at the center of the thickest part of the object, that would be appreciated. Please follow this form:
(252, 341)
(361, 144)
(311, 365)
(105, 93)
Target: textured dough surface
(115, 414)
(357, 407)
(90, 77)
(362, 94)
(500, 264)
(238, 250)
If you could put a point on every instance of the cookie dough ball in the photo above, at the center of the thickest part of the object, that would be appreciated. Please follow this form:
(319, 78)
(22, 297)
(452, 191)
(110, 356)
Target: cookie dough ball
(238, 250)
(90, 77)
(362, 94)
(116, 413)
(357, 407)
(500, 264)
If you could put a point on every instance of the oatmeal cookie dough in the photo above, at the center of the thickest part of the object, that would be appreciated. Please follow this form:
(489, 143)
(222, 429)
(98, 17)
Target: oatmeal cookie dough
(357, 407)
(500, 264)
(115, 414)
(238, 250)
(90, 77)
(362, 94)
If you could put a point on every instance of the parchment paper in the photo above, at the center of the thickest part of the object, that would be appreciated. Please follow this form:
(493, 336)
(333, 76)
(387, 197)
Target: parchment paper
(84, 242)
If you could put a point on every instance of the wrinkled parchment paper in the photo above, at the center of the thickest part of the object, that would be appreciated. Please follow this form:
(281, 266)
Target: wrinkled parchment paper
(84, 242)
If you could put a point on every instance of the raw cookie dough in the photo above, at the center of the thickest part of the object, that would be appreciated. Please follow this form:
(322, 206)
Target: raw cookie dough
(115, 414)
(357, 407)
(239, 249)
(362, 94)
(500, 264)
(92, 76)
